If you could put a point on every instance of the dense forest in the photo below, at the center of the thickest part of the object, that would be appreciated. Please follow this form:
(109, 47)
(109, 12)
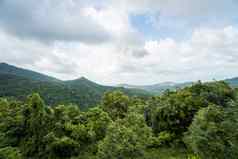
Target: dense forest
(195, 122)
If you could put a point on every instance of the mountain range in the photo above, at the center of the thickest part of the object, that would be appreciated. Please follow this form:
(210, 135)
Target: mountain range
(18, 83)
(159, 88)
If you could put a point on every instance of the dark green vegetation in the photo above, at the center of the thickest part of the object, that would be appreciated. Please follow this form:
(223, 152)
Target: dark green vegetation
(196, 122)
(18, 83)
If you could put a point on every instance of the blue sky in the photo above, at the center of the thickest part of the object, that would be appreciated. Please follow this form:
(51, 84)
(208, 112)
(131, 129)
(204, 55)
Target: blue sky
(126, 41)
(156, 25)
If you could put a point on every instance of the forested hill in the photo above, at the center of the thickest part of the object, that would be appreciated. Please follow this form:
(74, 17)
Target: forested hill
(18, 83)
(12, 70)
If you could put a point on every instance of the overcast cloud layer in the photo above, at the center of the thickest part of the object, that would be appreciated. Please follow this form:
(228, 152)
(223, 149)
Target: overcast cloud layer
(126, 41)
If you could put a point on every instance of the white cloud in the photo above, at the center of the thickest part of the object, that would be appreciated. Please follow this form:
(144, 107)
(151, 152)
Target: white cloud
(209, 53)
(70, 39)
(177, 7)
(51, 21)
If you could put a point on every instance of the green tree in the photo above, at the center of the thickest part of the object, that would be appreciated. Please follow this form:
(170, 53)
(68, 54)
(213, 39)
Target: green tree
(11, 123)
(35, 128)
(60, 141)
(173, 112)
(219, 92)
(82, 130)
(62, 148)
(115, 104)
(214, 133)
(126, 139)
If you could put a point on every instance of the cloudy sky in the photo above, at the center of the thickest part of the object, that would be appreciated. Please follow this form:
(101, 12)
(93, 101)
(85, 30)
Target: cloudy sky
(122, 41)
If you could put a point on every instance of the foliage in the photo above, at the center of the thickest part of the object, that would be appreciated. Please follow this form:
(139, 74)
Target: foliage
(11, 125)
(166, 153)
(63, 147)
(115, 104)
(214, 132)
(10, 153)
(173, 112)
(205, 116)
(126, 138)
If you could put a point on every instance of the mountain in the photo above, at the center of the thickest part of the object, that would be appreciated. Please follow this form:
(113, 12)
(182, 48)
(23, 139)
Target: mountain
(12, 70)
(18, 83)
(158, 88)
(84, 84)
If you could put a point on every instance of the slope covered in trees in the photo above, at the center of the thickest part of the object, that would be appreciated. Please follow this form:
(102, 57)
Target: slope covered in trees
(18, 83)
(197, 122)
(12, 70)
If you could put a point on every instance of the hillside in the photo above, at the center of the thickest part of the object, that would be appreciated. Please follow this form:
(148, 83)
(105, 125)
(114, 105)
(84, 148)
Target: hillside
(18, 83)
(12, 70)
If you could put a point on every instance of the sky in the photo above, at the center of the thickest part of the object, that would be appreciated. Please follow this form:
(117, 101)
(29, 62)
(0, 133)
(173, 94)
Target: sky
(122, 41)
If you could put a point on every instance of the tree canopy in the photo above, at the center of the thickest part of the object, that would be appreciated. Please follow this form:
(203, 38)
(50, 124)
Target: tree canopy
(194, 122)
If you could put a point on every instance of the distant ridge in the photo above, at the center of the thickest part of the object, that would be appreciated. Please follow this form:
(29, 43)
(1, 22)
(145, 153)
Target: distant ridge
(161, 87)
(232, 81)
(158, 88)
